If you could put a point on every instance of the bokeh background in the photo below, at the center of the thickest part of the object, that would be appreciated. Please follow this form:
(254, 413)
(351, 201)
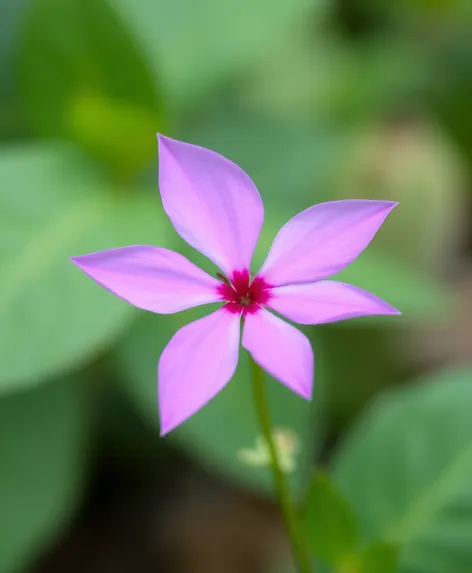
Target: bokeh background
(317, 100)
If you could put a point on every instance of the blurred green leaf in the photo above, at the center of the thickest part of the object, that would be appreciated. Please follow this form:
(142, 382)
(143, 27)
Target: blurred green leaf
(11, 14)
(414, 18)
(42, 454)
(380, 557)
(218, 432)
(199, 45)
(121, 134)
(406, 469)
(320, 77)
(331, 525)
(354, 361)
(399, 283)
(11, 117)
(53, 205)
(369, 79)
(290, 81)
(451, 90)
(82, 77)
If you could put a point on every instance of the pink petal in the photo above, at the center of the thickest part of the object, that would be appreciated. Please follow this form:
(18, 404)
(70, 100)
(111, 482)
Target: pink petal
(212, 203)
(281, 349)
(326, 301)
(196, 364)
(151, 278)
(322, 240)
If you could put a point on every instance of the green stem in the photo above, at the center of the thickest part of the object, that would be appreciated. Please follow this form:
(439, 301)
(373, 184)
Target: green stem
(289, 515)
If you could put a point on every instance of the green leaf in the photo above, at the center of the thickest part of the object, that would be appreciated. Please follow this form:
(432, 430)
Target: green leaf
(399, 283)
(406, 469)
(11, 115)
(53, 205)
(380, 557)
(354, 361)
(451, 91)
(82, 77)
(42, 451)
(197, 46)
(219, 432)
(118, 133)
(331, 525)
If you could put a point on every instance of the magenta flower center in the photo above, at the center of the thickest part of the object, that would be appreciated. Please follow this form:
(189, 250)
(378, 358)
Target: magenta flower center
(242, 295)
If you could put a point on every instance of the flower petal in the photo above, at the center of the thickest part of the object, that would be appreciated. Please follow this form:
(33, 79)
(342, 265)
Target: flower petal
(151, 278)
(212, 203)
(198, 361)
(326, 301)
(322, 240)
(281, 349)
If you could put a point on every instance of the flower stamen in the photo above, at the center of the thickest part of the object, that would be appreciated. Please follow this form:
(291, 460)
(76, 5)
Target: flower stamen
(242, 295)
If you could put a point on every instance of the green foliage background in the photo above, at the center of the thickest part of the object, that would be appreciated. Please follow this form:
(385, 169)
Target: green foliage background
(317, 101)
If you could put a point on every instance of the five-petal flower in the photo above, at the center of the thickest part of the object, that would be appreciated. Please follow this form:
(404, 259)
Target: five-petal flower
(216, 208)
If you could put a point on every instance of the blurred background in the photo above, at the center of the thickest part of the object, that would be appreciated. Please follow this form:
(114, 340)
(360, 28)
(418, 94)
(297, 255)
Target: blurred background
(316, 100)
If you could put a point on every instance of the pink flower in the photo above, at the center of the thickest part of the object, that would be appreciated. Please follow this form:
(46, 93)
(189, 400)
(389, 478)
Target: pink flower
(216, 208)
